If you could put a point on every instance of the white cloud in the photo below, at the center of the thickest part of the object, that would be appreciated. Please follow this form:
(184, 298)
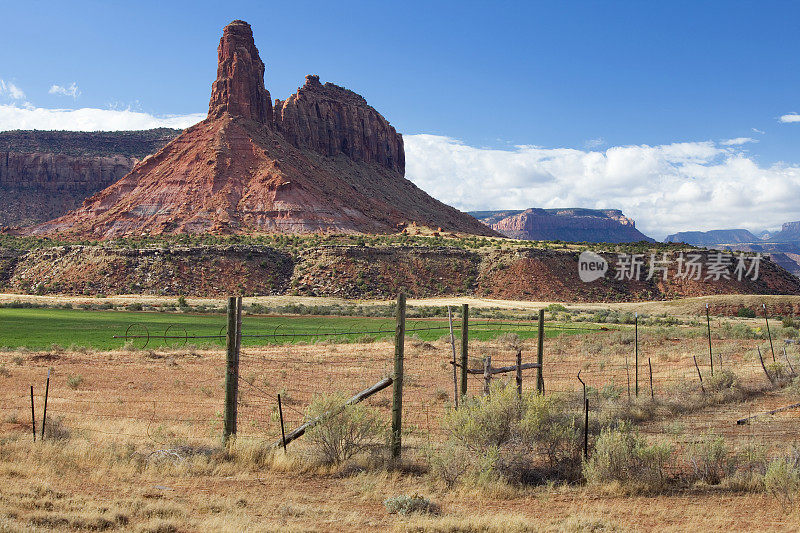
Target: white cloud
(756, 130)
(791, 117)
(72, 90)
(738, 141)
(666, 188)
(88, 119)
(12, 91)
(595, 143)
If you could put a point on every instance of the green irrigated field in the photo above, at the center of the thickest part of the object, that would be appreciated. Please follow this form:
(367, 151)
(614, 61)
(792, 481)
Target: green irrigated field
(41, 328)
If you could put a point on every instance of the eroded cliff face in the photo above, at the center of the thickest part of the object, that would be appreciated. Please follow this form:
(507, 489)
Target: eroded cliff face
(44, 174)
(332, 120)
(576, 225)
(353, 272)
(39, 186)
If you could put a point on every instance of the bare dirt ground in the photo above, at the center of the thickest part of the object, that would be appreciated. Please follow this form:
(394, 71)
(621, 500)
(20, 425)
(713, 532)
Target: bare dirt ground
(128, 411)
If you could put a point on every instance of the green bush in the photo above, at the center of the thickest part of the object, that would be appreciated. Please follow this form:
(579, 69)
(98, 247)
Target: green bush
(710, 460)
(342, 430)
(722, 380)
(745, 312)
(782, 480)
(622, 455)
(523, 439)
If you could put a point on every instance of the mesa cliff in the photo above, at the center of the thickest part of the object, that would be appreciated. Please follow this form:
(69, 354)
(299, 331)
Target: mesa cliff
(323, 160)
(44, 174)
(574, 225)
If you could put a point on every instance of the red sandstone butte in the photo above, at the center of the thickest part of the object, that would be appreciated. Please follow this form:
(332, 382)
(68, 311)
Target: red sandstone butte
(323, 160)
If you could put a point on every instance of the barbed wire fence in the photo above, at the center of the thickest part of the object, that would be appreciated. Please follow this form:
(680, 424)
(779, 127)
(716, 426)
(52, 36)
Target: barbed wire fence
(677, 394)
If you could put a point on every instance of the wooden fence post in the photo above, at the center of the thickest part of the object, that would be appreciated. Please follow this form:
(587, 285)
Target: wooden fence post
(519, 373)
(231, 371)
(540, 354)
(397, 399)
(464, 347)
(650, 364)
(636, 352)
(487, 375)
(455, 362)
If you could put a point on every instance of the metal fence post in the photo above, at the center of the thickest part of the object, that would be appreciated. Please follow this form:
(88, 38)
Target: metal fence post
(464, 347)
(540, 354)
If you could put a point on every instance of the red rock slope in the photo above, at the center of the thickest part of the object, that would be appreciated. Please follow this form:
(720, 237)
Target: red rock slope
(323, 160)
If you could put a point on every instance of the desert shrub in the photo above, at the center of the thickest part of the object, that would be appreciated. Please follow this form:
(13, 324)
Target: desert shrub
(710, 460)
(74, 381)
(342, 430)
(777, 370)
(134, 307)
(624, 456)
(405, 505)
(722, 380)
(54, 429)
(782, 480)
(745, 312)
(556, 308)
(449, 462)
(519, 439)
(510, 340)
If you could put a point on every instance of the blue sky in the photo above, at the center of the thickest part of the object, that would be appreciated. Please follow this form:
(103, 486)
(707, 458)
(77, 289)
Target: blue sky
(481, 79)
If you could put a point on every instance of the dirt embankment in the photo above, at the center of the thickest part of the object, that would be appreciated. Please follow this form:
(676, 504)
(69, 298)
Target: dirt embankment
(353, 272)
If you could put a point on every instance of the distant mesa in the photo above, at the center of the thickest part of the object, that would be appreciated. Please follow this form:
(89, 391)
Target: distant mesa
(572, 224)
(713, 237)
(45, 174)
(322, 160)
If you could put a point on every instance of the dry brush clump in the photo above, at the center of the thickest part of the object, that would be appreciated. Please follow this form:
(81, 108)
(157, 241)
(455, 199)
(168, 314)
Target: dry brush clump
(341, 430)
(518, 439)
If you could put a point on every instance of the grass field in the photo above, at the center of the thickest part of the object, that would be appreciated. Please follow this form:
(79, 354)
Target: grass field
(40, 328)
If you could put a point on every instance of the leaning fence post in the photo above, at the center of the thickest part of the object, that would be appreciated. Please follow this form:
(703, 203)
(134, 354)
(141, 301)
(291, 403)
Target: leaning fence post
(766, 319)
(540, 354)
(464, 347)
(787, 360)
(636, 352)
(283, 430)
(764, 366)
(699, 375)
(397, 399)
(487, 375)
(231, 371)
(33, 417)
(519, 373)
(46, 392)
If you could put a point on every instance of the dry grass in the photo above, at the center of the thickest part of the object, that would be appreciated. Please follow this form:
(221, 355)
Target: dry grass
(143, 452)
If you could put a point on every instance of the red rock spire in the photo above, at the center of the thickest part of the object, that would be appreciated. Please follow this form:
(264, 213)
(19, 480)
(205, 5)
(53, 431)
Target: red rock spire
(239, 88)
